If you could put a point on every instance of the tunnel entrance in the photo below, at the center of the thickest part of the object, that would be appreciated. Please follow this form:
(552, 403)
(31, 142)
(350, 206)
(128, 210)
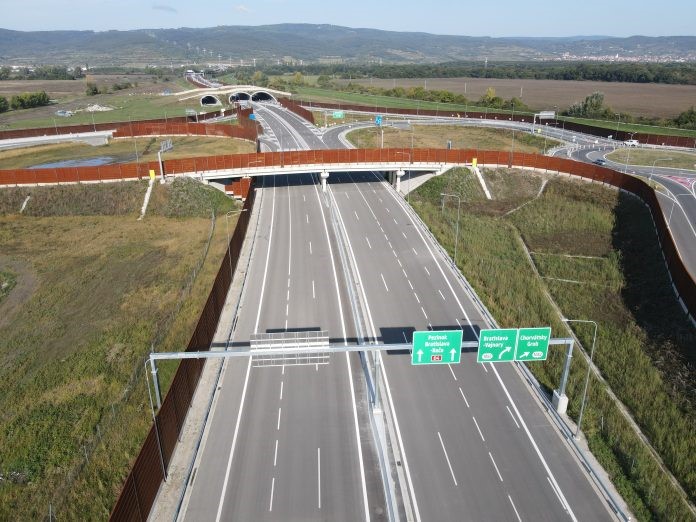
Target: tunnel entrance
(262, 96)
(210, 100)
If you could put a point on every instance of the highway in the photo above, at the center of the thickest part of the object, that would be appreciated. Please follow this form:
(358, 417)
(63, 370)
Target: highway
(295, 442)
(289, 442)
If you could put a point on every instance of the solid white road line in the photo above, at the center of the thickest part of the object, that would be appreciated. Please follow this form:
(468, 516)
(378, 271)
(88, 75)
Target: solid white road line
(477, 427)
(495, 466)
(289, 228)
(246, 378)
(513, 507)
(513, 417)
(350, 376)
(218, 516)
(270, 505)
(447, 458)
(268, 256)
(464, 397)
(551, 478)
(507, 393)
(383, 281)
(275, 454)
(319, 478)
(556, 492)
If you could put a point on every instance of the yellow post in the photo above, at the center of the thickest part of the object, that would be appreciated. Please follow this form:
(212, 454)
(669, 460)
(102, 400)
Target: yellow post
(473, 162)
(152, 174)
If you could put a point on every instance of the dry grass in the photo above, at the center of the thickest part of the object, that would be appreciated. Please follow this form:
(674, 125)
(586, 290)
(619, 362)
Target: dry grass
(436, 136)
(70, 355)
(123, 150)
(655, 100)
(680, 160)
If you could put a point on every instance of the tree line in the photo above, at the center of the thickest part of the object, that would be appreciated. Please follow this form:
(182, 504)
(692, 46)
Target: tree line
(670, 73)
(44, 72)
(25, 101)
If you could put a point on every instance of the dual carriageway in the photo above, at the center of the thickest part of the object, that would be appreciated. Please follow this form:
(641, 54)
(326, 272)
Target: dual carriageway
(463, 442)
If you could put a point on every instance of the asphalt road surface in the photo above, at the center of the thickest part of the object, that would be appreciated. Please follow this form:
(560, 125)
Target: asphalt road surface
(295, 443)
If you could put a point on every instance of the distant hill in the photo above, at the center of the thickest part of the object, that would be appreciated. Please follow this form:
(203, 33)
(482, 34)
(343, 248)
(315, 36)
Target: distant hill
(315, 43)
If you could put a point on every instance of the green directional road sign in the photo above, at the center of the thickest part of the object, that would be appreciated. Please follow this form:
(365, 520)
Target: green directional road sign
(437, 347)
(533, 344)
(337, 115)
(497, 345)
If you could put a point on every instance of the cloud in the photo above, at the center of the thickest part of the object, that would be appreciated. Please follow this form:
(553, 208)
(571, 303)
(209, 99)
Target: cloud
(165, 8)
(242, 8)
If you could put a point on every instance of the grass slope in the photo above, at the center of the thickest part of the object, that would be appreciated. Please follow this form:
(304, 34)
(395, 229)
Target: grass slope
(123, 150)
(72, 398)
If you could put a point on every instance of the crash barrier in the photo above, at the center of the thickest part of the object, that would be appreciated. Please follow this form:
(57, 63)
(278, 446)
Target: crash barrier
(297, 109)
(648, 139)
(143, 482)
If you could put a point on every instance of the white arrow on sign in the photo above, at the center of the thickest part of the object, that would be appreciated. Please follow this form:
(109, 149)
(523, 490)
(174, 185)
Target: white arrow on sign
(500, 355)
(525, 354)
(420, 355)
(452, 353)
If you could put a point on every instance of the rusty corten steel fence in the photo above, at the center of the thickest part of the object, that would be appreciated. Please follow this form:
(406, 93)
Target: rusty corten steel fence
(137, 489)
(89, 127)
(143, 482)
(297, 109)
(650, 139)
(188, 129)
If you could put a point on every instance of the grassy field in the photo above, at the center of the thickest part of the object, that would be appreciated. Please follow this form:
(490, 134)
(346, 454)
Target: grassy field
(679, 160)
(640, 99)
(144, 101)
(461, 137)
(72, 395)
(122, 150)
(634, 127)
(645, 344)
(315, 94)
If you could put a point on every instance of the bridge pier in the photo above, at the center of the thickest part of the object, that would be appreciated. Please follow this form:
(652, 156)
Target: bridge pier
(399, 175)
(324, 176)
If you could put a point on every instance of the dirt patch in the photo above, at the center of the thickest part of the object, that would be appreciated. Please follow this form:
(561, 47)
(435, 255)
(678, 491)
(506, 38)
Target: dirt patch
(26, 283)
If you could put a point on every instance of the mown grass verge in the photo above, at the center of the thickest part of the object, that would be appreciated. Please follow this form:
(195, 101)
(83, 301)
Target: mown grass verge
(437, 136)
(658, 158)
(123, 150)
(645, 343)
(73, 405)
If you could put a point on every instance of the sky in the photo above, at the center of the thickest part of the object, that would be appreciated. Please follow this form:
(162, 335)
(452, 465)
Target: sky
(454, 17)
